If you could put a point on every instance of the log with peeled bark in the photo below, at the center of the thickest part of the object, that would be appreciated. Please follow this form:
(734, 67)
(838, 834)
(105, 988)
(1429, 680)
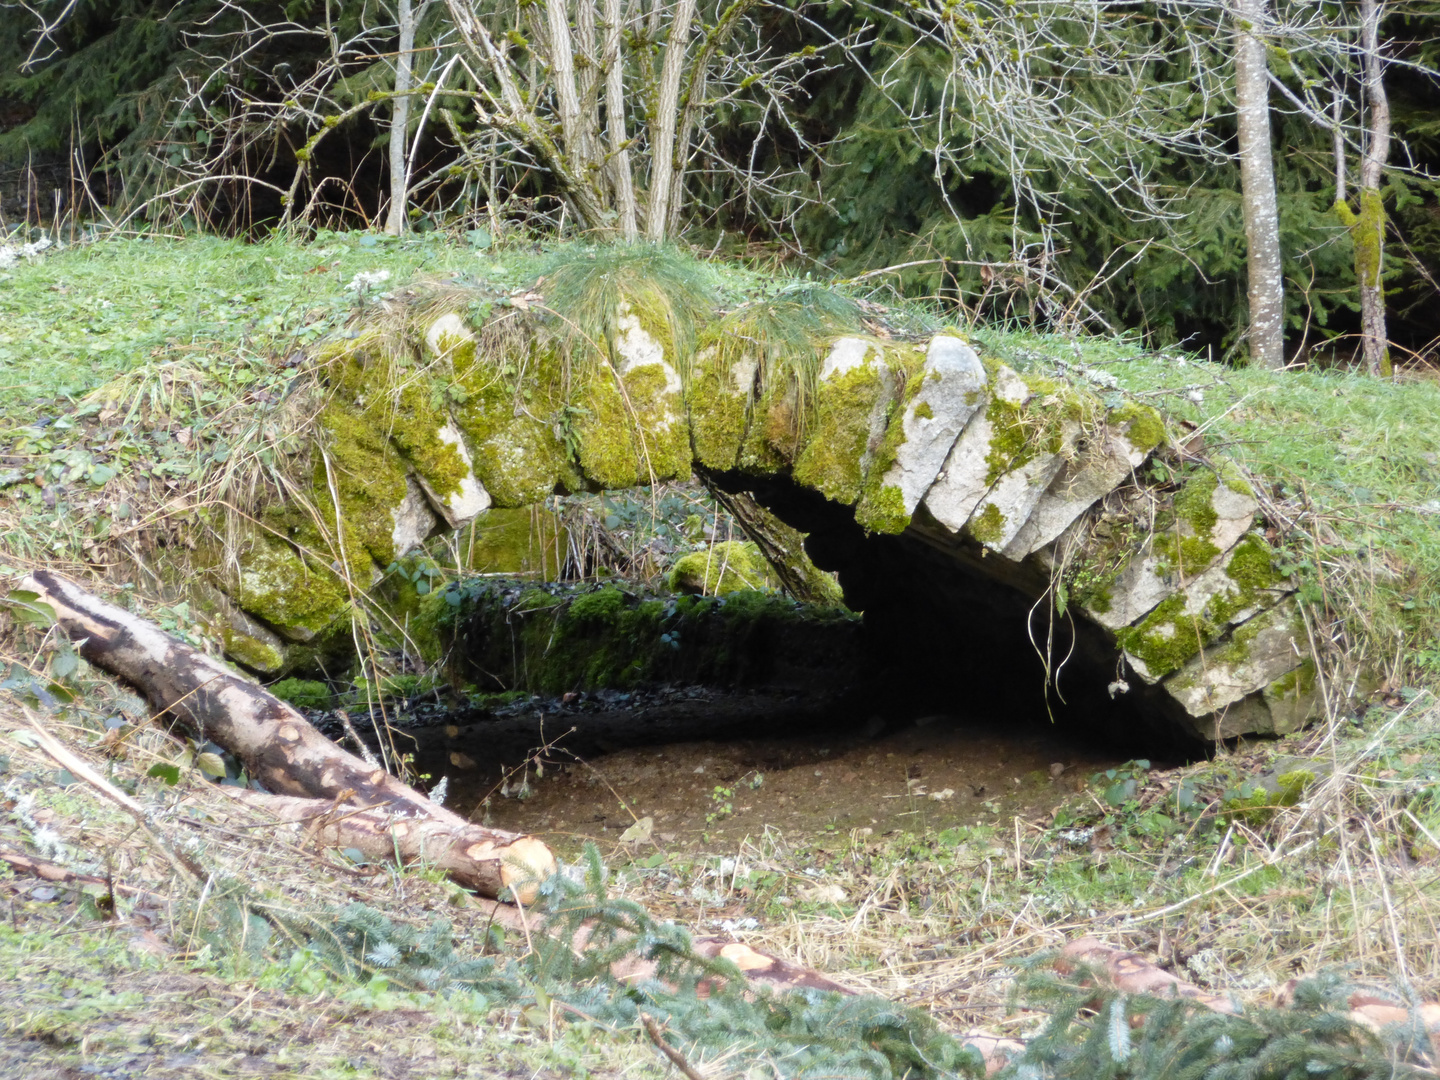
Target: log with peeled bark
(1133, 974)
(283, 751)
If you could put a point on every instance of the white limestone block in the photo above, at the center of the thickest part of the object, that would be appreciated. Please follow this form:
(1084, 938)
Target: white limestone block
(458, 508)
(953, 389)
(1100, 467)
(1016, 493)
(413, 518)
(964, 480)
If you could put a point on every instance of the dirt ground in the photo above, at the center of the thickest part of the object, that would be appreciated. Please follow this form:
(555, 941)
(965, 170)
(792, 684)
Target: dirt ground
(932, 771)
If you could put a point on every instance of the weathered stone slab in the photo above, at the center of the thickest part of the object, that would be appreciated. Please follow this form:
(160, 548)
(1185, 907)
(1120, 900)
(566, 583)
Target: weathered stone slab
(639, 436)
(275, 585)
(1212, 517)
(953, 388)
(852, 407)
(720, 398)
(414, 520)
(464, 496)
(966, 479)
(1257, 657)
(1241, 584)
(1007, 506)
(248, 643)
(1102, 465)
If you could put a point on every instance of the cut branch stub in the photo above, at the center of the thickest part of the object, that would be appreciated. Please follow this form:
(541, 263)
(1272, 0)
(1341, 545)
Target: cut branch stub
(281, 749)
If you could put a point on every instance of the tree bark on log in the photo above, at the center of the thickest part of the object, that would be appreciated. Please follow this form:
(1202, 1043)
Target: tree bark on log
(1133, 974)
(282, 750)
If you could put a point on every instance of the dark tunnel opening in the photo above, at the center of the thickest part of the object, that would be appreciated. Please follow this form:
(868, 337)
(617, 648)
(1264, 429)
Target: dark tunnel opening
(950, 629)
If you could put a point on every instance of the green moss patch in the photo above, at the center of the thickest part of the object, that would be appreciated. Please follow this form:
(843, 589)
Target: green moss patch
(719, 413)
(277, 586)
(838, 444)
(512, 409)
(302, 693)
(727, 567)
(521, 541)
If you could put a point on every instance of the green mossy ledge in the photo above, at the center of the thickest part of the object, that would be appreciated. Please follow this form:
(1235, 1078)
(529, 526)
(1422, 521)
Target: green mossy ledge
(613, 639)
(435, 411)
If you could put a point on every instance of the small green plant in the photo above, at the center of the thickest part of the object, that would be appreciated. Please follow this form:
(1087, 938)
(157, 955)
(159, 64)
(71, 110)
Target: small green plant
(722, 804)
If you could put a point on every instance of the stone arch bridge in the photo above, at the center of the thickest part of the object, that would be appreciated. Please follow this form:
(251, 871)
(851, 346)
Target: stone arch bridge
(1002, 530)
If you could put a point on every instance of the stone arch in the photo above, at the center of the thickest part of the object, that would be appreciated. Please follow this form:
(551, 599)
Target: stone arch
(956, 496)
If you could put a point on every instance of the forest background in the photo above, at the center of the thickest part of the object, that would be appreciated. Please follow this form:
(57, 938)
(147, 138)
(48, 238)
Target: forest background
(1051, 165)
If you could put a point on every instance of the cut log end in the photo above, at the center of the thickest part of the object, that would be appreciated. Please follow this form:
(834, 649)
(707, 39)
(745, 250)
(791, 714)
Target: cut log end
(524, 865)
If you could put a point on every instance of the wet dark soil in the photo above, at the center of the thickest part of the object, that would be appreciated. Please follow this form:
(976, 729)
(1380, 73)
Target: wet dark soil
(711, 766)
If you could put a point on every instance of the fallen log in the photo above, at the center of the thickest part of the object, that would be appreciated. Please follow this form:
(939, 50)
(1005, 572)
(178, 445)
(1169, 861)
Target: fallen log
(1133, 974)
(283, 751)
(379, 834)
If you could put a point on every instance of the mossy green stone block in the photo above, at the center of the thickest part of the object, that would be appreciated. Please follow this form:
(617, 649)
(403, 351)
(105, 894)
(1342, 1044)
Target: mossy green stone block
(849, 407)
(298, 600)
(515, 431)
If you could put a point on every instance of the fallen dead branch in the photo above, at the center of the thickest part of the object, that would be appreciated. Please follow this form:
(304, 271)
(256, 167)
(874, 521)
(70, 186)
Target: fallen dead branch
(282, 750)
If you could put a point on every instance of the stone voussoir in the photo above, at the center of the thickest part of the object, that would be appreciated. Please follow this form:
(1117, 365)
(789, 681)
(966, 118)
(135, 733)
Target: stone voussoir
(964, 481)
(1237, 685)
(953, 384)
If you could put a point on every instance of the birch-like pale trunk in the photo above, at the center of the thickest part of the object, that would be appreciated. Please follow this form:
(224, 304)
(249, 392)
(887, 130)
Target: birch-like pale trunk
(562, 72)
(621, 181)
(400, 120)
(663, 151)
(1265, 273)
(1370, 228)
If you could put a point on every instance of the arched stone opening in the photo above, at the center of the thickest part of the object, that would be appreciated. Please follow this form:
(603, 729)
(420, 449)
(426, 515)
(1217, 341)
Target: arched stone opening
(967, 506)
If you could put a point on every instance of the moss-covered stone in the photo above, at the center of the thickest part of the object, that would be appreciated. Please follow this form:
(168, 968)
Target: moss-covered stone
(299, 600)
(727, 567)
(252, 652)
(1198, 615)
(881, 506)
(1142, 426)
(776, 431)
(851, 408)
(514, 414)
(718, 400)
(1185, 546)
(628, 414)
(611, 638)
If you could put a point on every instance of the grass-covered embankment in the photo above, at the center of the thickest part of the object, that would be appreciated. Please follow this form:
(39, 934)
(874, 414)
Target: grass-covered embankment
(1312, 855)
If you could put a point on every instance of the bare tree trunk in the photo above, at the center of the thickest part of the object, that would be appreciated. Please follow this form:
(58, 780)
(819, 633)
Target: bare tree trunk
(619, 163)
(400, 120)
(662, 128)
(1369, 230)
(281, 749)
(1265, 272)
